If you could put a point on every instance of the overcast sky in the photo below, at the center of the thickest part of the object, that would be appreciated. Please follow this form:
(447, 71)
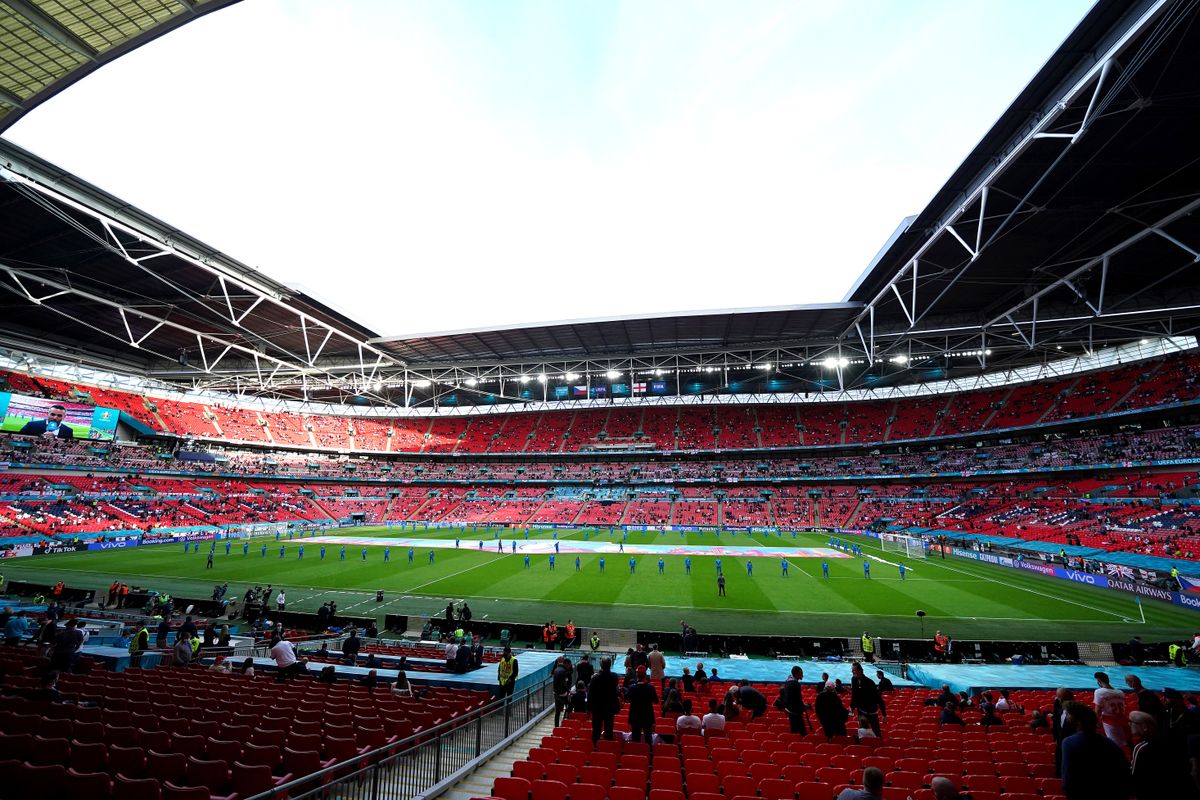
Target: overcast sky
(438, 165)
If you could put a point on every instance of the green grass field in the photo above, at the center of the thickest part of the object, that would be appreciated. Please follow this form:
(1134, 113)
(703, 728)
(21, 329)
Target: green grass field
(967, 599)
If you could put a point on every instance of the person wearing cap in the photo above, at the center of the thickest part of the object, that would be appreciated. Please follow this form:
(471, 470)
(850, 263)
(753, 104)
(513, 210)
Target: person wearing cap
(642, 698)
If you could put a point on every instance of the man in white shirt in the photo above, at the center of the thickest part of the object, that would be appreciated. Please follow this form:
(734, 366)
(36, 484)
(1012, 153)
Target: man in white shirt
(286, 663)
(688, 722)
(280, 600)
(1110, 708)
(451, 654)
(712, 721)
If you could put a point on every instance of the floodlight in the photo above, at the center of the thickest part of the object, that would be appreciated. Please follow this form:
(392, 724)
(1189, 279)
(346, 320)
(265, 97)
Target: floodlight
(612, 374)
(541, 377)
(900, 359)
(524, 379)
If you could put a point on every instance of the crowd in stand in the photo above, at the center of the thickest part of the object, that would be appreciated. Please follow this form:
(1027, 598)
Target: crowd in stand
(1113, 745)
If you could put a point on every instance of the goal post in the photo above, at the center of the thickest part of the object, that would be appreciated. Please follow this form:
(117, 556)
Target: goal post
(910, 547)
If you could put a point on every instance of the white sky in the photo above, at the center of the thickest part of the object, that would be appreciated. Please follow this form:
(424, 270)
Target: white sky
(440, 165)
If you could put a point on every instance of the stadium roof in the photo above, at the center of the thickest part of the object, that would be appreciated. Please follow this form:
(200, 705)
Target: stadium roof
(49, 44)
(1069, 226)
(698, 331)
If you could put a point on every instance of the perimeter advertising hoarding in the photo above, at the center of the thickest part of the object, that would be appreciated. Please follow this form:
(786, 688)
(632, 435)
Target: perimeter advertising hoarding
(38, 416)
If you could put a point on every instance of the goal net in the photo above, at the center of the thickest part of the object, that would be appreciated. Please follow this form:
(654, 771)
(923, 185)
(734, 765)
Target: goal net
(908, 546)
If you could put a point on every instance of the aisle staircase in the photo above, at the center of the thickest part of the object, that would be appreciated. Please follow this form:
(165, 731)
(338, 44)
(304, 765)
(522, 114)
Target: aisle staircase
(479, 782)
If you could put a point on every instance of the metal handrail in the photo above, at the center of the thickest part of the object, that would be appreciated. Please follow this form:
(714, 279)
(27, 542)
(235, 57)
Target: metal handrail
(419, 762)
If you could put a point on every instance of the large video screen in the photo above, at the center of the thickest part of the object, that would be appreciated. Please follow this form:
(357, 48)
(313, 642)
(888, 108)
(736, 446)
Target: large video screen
(55, 419)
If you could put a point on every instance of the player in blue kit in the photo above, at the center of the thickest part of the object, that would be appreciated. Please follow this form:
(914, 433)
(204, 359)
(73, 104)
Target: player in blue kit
(825, 569)
(430, 556)
(601, 564)
(632, 565)
(577, 563)
(364, 554)
(245, 548)
(867, 570)
(264, 551)
(387, 554)
(784, 566)
(749, 569)
(342, 555)
(687, 565)
(552, 562)
(661, 567)
(902, 570)
(411, 555)
(718, 566)
(527, 561)
(300, 552)
(322, 552)
(281, 551)
(228, 545)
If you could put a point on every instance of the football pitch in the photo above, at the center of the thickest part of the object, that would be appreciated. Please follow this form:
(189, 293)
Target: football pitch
(966, 598)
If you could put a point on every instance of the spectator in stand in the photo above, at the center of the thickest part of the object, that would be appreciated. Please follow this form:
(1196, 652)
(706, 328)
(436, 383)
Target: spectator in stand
(791, 701)
(872, 781)
(578, 702)
(751, 699)
(729, 706)
(688, 680)
(247, 668)
(949, 716)
(657, 663)
(182, 654)
(562, 687)
(687, 721)
(989, 717)
(47, 691)
(67, 645)
(672, 700)
(286, 663)
(1157, 771)
(1093, 768)
(865, 698)
(351, 646)
(1110, 709)
(1037, 720)
(46, 637)
(402, 688)
(943, 789)
(830, 713)
(1148, 701)
(1062, 725)
(884, 682)
(16, 629)
(642, 698)
(583, 670)
(714, 720)
(603, 700)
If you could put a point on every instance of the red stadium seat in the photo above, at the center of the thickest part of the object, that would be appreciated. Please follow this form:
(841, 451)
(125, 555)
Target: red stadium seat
(136, 789)
(511, 788)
